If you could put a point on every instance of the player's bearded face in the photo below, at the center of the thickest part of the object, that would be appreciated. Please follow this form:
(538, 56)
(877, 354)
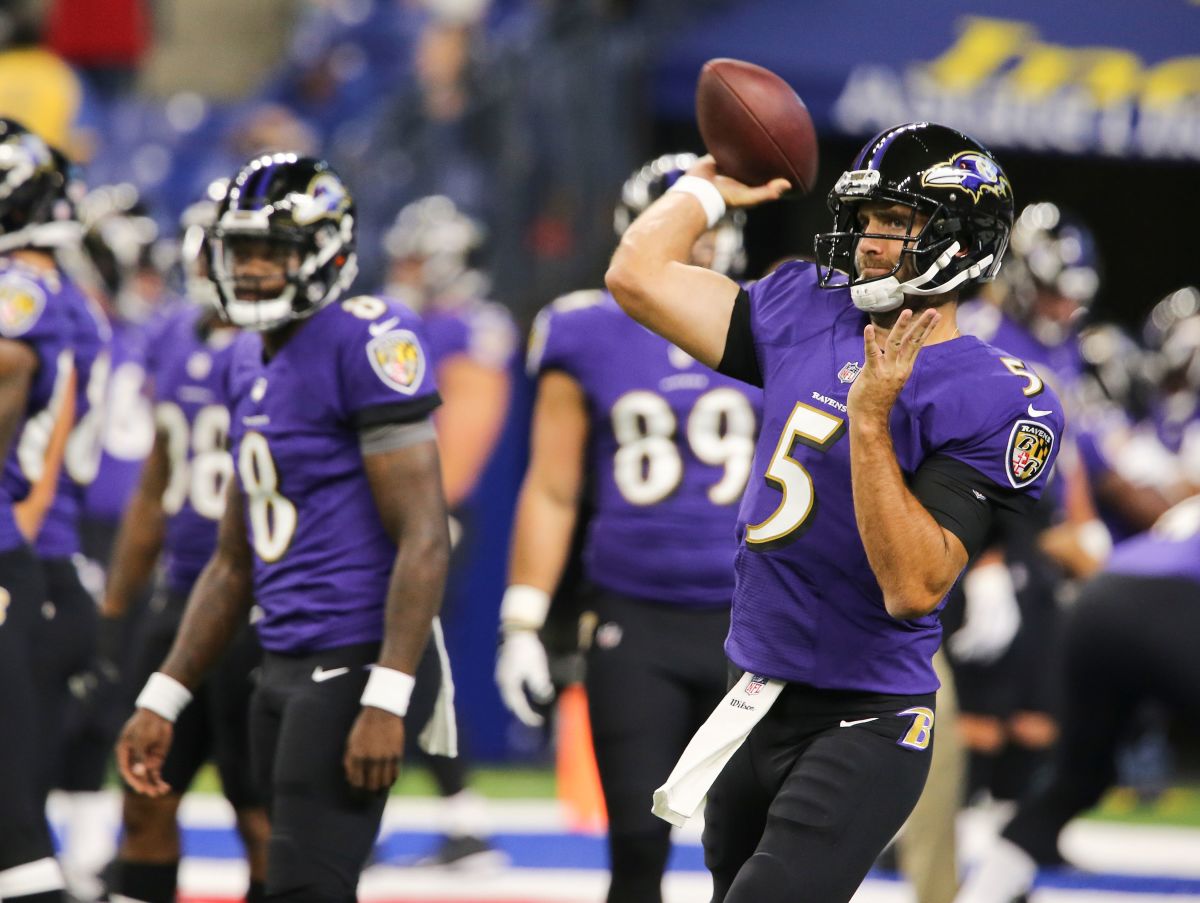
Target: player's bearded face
(261, 266)
(876, 257)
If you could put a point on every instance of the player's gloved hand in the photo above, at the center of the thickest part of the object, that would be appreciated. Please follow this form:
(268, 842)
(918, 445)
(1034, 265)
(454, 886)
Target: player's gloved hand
(374, 749)
(141, 750)
(992, 615)
(522, 665)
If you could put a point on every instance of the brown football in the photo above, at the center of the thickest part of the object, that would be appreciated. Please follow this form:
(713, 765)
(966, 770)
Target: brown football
(754, 125)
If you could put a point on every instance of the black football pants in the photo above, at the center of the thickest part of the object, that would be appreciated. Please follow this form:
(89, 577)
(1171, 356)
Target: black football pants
(805, 806)
(24, 834)
(655, 672)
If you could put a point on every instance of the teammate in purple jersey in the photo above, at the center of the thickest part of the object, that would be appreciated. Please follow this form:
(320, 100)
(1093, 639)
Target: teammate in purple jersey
(335, 524)
(118, 238)
(472, 344)
(37, 400)
(1129, 639)
(173, 516)
(879, 469)
(664, 445)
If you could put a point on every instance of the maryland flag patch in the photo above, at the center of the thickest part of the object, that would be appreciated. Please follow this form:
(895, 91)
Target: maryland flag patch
(21, 304)
(398, 360)
(1029, 449)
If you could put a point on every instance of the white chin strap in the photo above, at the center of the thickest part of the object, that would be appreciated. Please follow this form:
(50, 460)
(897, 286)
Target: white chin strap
(881, 295)
(260, 316)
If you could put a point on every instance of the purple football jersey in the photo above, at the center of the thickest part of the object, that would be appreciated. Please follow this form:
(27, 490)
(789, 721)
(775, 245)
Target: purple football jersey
(1061, 364)
(322, 559)
(90, 336)
(670, 444)
(191, 411)
(481, 330)
(34, 311)
(1170, 549)
(807, 607)
(128, 430)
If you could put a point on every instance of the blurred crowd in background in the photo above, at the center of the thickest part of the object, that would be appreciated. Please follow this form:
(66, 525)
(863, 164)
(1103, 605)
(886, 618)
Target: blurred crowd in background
(526, 115)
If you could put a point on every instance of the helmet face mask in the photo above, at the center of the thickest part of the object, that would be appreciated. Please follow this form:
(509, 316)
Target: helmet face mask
(935, 171)
(282, 246)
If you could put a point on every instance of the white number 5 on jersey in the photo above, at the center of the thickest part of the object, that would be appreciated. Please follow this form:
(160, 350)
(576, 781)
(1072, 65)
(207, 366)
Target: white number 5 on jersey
(813, 427)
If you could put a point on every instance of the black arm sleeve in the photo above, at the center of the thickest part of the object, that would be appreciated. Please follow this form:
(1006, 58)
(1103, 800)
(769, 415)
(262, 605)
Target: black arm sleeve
(964, 501)
(398, 412)
(740, 360)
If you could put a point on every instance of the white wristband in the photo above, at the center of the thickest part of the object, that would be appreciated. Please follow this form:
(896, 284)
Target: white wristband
(389, 690)
(164, 696)
(524, 607)
(706, 193)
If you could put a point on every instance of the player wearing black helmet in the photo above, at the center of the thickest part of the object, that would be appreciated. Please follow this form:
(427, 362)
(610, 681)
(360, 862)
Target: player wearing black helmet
(37, 401)
(334, 522)
(889, 444)
(664, 443)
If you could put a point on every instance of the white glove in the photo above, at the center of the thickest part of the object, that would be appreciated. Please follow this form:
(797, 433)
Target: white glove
(521, 664)
(992, 615)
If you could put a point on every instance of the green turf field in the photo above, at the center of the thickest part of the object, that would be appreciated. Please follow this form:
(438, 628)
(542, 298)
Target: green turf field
(1178, 806)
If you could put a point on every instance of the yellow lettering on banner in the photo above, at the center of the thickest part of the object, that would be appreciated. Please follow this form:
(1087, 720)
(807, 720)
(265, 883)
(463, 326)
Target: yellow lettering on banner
(982, 48)
(1171, 81)
(1113, 75)
(1043, 69)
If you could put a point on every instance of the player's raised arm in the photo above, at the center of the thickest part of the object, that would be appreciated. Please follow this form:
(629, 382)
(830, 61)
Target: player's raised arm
(218, 606)
(650, 276)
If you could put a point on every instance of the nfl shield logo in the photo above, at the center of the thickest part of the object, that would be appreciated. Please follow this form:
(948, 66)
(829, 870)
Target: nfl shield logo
(848, 372)
(757, 682)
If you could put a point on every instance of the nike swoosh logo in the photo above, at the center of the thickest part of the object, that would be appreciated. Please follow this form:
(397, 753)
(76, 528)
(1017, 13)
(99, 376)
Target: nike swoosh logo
(859, 721)
(1034, 412)
(378, 329)
(320, 675)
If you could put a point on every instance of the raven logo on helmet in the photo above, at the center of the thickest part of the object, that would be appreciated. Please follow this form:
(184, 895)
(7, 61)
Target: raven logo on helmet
(326, 198)
(971, 171)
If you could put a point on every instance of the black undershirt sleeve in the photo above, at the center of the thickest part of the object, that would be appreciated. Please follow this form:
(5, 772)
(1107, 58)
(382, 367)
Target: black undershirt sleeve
(398, 412)
(965, 502)
(740, 360)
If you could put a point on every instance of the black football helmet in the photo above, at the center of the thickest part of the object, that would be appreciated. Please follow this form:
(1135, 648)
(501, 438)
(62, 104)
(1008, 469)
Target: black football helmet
(119, 238)
(941, 173)
(651, 182)
(1053, 272)
(32, 183)
(1115, 370)
(1172, 335)
(301, 207)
